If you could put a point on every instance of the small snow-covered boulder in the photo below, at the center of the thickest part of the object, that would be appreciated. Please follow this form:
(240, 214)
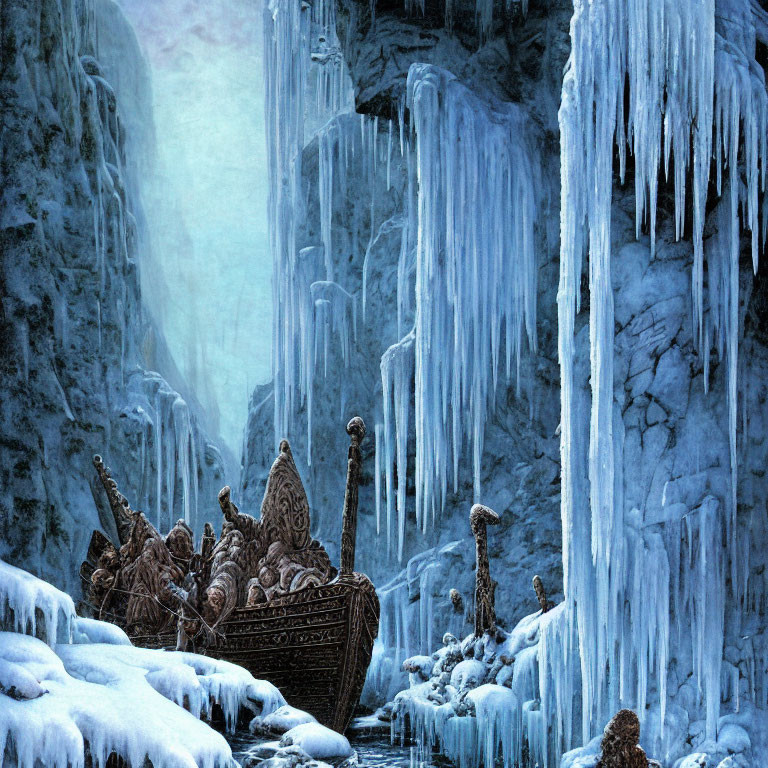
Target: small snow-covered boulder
(261, 752)
(583, 757)
(420, 667)
(415, 692)
(317, 740)
(447, 657)
(281, 720)
(734, 761)
(282, 757)
(94, 631)
(37, 658)
(468, 674)
(733, 738)
(695, 760)
(287, 757)
(492, 700)
(17, 682)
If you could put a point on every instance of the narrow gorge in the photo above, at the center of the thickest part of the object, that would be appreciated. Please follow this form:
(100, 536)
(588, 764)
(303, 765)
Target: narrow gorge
(522, 239)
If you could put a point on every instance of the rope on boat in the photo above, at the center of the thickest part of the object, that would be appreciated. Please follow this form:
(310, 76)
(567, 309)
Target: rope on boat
(102, 611)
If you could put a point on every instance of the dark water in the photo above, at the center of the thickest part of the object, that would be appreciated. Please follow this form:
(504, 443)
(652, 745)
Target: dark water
(374, 750)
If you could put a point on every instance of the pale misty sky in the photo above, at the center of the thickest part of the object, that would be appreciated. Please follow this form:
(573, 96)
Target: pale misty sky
(211, 236)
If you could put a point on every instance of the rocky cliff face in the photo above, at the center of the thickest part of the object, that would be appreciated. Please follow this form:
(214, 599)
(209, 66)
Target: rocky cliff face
(77, 347)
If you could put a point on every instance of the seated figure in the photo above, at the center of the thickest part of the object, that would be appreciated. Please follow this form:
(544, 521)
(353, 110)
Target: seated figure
(180, 543)
(151, 607)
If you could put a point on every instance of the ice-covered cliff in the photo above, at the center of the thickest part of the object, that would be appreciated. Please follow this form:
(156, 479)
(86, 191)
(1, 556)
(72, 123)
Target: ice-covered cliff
(78, 350)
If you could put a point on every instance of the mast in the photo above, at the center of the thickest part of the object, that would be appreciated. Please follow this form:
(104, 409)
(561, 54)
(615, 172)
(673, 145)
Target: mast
(356, 432)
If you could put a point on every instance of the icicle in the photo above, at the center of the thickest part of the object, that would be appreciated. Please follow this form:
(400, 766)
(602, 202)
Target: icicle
(181, 428)
(379, 449)
(158, 424)
(285, 68)
(327, 140)
(397, 365)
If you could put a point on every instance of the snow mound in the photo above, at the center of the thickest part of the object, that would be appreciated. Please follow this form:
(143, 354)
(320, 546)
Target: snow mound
(421, 666)
(183, 678)
(468, 672)
(94, 631)
(281, 720)
(317, 741)
(99, 694)
(22, 595)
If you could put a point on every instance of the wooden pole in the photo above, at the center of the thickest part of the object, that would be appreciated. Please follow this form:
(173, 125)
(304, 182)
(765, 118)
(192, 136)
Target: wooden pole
(485, 614)
(356, 432)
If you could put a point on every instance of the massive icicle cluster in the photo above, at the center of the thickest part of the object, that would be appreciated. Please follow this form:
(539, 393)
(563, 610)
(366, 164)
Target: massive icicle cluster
(412, 616)
(22, 597)
(659, 615)
(467, 232)
(101, 695)
(475, 283)
(302, 60)
(695, 93)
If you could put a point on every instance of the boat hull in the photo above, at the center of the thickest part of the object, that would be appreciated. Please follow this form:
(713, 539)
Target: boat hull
(315, 645)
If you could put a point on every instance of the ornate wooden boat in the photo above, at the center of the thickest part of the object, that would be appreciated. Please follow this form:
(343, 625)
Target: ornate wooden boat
(303, 627)
(315, 645)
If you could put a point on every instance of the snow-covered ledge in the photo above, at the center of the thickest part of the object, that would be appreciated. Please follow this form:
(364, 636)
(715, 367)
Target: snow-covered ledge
(97, 692)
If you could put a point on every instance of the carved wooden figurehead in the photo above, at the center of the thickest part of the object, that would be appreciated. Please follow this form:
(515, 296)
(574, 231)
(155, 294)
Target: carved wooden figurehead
(121, 508)
(356, 432)
(485, 614)
(285, 508)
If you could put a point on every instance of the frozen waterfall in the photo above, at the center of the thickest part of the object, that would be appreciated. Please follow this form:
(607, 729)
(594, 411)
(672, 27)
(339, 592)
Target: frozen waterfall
(695, 94)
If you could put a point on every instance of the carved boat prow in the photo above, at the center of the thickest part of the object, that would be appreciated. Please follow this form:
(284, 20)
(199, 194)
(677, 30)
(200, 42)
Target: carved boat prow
(264, 596)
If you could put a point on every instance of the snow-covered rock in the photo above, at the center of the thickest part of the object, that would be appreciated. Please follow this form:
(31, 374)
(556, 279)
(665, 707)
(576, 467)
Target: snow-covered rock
(280, 720)
(316, 740)
(59, 703)
(94, 631)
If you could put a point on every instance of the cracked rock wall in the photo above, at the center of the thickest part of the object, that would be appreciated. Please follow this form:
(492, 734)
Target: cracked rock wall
(77, 348)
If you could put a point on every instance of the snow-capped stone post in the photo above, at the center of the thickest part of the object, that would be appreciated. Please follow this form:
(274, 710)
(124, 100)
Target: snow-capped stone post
(541, 595)
(356, 432)
(485, 615)
(619, 748)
